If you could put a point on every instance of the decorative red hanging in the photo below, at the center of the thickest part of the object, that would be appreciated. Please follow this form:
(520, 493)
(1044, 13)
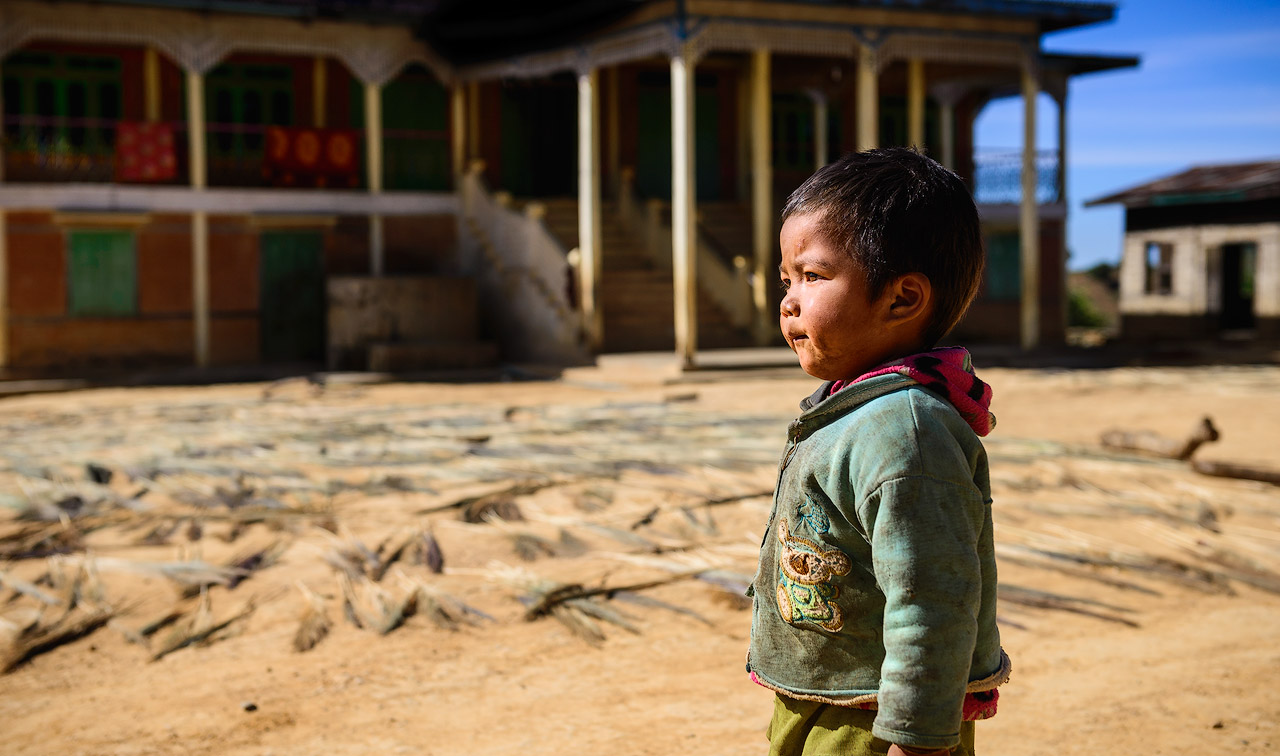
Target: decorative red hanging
(145, 152)
(311, 157)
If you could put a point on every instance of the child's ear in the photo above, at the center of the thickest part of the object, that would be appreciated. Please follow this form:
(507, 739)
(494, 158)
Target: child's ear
(910, 297)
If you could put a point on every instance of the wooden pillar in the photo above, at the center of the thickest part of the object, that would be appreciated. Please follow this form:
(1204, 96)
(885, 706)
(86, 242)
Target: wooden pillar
(915, 104)
(1029, 221)
(319, 91)
(762, 195)
(199, 219)
(151, 84)
(373, 170)
(458, 131)
(821, 140)
(684, 237)
(868, 99)
(590, 235)
(613, 135)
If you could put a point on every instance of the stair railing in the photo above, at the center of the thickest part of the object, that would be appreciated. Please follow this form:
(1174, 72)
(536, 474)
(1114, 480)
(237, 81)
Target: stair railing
(524, 272)
(727, 285)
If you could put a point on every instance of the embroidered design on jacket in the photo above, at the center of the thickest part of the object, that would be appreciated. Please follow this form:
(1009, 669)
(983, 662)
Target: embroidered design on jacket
(805, 590)
(812, 515)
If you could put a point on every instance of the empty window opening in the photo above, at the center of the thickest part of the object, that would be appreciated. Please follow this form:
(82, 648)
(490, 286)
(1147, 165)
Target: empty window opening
(1159, 268)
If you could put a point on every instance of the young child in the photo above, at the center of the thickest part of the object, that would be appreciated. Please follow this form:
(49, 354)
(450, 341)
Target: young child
(874, 614)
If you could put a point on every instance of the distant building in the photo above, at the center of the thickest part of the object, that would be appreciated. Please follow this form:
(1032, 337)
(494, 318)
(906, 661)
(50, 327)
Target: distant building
(1202, 253)
(182, 180)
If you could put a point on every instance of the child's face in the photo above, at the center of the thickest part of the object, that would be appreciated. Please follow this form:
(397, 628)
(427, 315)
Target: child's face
(826, 315)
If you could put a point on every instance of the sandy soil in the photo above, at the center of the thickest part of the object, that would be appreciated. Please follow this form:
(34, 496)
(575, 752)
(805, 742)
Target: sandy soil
(1130, 661)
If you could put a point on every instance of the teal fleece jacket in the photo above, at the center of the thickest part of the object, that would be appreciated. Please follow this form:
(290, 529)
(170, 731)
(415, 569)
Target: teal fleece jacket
(877, 575)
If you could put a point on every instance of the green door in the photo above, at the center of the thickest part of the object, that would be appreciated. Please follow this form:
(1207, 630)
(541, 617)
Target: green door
(102, 273)
(1004, 266)
(653, 139)
(291, 286)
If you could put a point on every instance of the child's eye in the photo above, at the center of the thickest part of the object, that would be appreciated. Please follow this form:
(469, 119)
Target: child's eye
(811, 276)
(785, 283)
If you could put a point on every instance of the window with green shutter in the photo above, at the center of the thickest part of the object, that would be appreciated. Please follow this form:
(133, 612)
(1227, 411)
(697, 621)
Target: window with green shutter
(102, 273)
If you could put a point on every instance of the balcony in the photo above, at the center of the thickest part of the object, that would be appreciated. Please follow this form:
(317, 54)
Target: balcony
(61, 150)
(998, 177)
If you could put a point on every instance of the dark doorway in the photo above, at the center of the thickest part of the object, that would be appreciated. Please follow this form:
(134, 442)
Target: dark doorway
(540, 138)
(653, 136)
(1239, 263)
(291, 310)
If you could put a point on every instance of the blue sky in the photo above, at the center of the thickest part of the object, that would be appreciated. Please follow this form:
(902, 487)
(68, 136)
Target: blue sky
(1207, 90)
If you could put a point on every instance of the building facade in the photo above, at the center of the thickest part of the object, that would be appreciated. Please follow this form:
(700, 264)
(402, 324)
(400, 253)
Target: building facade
(180, 185)
(1202, 254)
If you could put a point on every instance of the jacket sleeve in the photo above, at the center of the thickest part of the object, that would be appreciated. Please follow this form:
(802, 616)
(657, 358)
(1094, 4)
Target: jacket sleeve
(924, 534)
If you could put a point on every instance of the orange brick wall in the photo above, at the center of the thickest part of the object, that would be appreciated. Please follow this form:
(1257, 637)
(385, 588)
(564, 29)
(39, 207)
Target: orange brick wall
(43, 336)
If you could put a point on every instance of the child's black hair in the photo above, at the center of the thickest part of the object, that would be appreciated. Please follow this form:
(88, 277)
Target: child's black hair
(895, 211)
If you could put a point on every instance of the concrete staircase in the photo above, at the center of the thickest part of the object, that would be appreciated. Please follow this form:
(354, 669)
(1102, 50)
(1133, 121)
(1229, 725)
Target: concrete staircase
(636, 296)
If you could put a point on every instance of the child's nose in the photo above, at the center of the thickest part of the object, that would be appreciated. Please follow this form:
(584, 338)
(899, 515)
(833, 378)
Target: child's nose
(790, 305)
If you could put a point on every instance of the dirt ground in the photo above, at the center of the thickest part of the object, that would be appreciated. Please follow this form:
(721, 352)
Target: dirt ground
(1170, 647)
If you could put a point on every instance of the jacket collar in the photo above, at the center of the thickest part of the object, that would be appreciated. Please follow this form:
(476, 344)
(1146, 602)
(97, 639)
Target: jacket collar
(820, 409)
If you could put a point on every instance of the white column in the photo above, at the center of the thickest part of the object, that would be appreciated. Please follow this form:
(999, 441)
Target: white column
(458, 132)
(868, 99)
(590, 235)
(373, 170)
(915, 103)
(821, 140)
(684, 237)
(199, 218)
(762, 195)
(1029, 221)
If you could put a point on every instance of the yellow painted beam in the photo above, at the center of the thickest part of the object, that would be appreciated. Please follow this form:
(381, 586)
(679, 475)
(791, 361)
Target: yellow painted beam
(915, 103)
(762, 194)
(151, 84)
(1029, 221)
(319, 91)
(868, 115)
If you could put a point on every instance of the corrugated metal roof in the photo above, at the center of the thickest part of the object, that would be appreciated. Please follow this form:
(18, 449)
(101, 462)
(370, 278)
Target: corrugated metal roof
(1232, 182)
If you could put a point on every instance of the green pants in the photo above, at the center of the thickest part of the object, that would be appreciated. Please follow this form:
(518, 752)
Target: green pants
(807, 728)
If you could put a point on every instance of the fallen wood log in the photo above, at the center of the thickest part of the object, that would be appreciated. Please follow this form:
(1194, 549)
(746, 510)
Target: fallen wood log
(551, 599)
(1153, 443)
(1230, 470)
